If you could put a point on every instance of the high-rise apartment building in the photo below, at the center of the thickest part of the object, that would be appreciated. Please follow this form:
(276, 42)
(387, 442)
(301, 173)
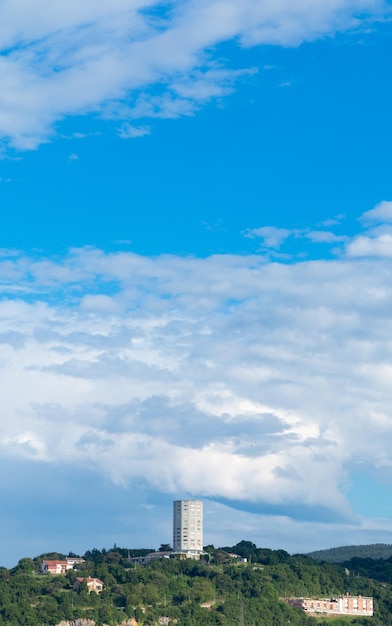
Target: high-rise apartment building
(188, 526)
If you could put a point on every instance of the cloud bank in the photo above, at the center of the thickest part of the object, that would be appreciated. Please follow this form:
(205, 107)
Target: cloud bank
(130, 59)
(230, 377)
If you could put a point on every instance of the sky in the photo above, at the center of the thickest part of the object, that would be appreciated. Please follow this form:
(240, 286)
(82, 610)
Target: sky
(195, 272)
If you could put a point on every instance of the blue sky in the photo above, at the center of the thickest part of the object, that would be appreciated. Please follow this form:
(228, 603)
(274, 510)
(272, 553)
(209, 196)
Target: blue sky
(195, 272)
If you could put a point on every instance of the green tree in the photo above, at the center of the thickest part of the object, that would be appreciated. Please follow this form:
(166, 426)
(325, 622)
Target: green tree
(165, 547)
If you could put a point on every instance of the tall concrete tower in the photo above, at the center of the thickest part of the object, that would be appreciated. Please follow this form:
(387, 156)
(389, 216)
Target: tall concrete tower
(188, 526)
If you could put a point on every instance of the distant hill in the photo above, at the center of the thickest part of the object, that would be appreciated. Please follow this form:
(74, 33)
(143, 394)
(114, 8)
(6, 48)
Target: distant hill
(345, 553)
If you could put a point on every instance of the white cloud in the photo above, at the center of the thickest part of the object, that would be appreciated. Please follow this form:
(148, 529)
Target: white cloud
(266, 376)
(214, 82)
(332, 221)
(271, 236)
(229, 377)
(324, 236)
(66, 59)
(127, 131)
(380, 246)
(381, 213)
(376, 240)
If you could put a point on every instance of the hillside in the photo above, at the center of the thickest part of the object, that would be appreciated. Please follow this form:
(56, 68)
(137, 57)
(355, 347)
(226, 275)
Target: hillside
(221, 591)
(345, 553)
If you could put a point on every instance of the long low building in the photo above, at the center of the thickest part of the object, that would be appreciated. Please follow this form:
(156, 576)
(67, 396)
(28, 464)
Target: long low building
(151, 556)
(340, 605)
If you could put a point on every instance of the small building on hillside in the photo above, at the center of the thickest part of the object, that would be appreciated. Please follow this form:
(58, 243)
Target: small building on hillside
(93, 584)
(73, 561)
(60, 567)
(151, 556)
(55, 567)
(339, 605)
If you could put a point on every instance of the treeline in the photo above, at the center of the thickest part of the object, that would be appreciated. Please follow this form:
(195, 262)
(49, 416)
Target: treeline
(345, 553)
(221, 590)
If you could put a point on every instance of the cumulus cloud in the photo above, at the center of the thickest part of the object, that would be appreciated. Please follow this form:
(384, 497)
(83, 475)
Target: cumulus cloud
(65, 59)
(324, 236)
(271, 236)
(380, 246)
(376, 239)
(381, 213)
(229, 377)
(127, 131)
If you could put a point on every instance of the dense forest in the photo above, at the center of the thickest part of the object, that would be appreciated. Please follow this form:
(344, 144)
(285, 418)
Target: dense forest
(345, 553)
(219, 590)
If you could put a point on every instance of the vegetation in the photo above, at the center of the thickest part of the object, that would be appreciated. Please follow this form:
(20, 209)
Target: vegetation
(222, 590)
(345, 553)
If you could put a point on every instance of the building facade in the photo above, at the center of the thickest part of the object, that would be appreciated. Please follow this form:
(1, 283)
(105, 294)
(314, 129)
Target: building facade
(341, 605)
(188, 527)
(93, 584)
(55, 567)
(60, 567)
(151, 556)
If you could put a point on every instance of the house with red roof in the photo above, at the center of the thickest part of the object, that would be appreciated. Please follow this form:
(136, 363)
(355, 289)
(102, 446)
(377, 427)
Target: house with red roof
(55, 567)
(93, 584)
